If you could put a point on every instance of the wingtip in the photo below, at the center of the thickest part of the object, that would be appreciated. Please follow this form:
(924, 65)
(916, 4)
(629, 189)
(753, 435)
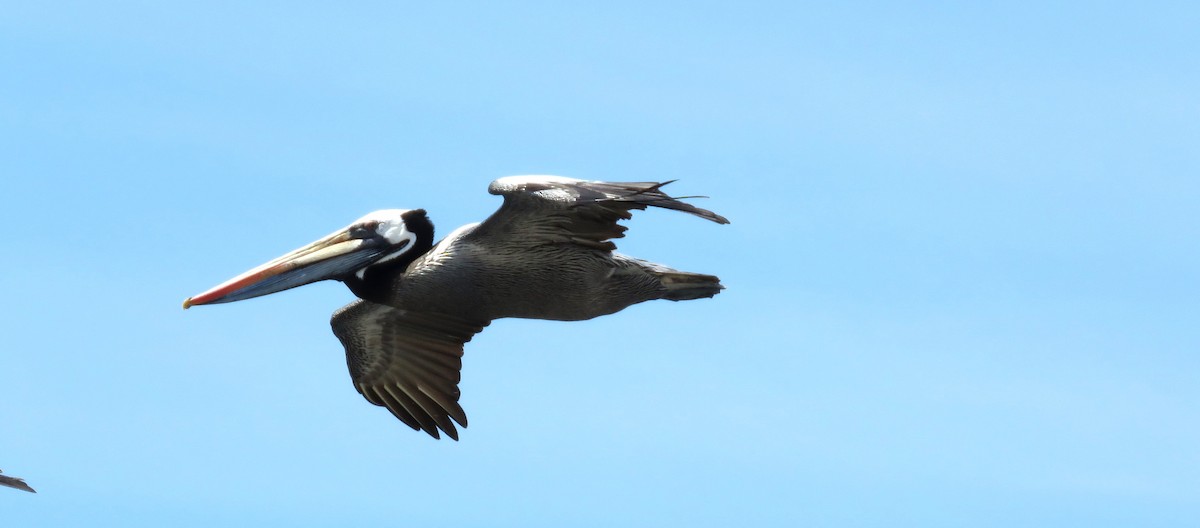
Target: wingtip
(15, 483)
(663, 184)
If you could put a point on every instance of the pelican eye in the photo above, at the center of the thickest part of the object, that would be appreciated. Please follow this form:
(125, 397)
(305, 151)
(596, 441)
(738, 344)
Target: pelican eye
(365, 229)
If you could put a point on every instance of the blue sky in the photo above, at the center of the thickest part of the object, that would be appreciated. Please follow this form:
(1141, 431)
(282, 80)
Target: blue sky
(962, 269)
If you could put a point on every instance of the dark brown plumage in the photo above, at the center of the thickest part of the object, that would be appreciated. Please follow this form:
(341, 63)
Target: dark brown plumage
(14, 482)
(546, 253)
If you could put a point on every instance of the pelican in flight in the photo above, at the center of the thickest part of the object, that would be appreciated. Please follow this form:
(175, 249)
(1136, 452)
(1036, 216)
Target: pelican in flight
(547, 253)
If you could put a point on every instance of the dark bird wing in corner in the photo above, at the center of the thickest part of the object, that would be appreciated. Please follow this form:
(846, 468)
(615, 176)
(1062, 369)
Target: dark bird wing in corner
(554, 209)
(406, 361)
(14, 482)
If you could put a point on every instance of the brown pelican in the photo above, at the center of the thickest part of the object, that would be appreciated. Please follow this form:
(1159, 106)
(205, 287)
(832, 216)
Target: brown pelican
(14, 482)
(547, 253)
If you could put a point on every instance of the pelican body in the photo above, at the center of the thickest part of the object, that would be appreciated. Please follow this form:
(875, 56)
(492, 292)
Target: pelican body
(547, 253)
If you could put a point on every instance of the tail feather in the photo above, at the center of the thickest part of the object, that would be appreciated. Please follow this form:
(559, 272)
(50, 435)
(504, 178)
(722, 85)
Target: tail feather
(675, 285)
(684, 286)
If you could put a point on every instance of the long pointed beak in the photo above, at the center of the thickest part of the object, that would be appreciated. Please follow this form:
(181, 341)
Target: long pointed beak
(333, 256)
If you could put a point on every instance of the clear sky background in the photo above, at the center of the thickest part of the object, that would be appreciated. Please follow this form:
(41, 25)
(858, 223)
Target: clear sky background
(962, 271)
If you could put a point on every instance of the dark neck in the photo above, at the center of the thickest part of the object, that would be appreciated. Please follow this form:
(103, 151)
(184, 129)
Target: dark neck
(378, 282)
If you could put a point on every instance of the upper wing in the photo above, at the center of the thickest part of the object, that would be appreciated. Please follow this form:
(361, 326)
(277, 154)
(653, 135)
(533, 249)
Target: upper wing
(406, 361)
(554, 209)
(14, 482)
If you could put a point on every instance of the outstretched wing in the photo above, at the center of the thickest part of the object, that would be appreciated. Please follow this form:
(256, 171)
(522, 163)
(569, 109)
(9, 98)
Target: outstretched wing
(14, 482)
(554, 209)
(407, 361)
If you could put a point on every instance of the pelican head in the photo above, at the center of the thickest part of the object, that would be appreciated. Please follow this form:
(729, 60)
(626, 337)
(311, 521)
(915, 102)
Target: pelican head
(384, 238)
